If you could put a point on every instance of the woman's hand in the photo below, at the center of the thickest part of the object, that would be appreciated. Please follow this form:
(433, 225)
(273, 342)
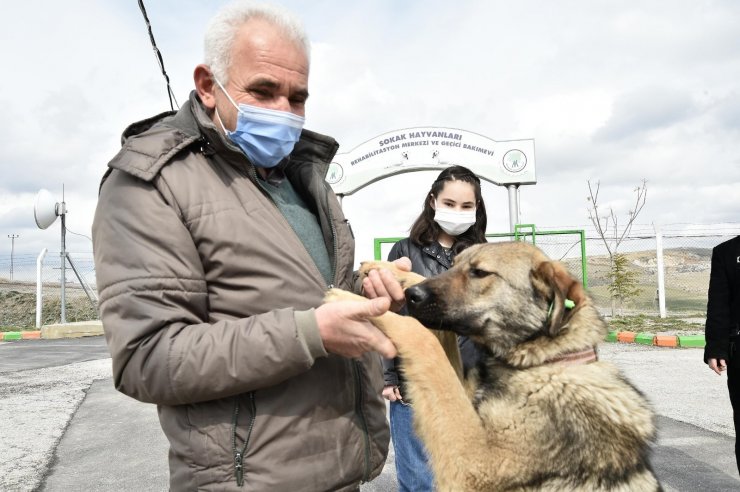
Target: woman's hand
(717, 365)
(392, 393)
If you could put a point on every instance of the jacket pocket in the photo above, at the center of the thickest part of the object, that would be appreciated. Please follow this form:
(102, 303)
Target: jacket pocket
(211, 456)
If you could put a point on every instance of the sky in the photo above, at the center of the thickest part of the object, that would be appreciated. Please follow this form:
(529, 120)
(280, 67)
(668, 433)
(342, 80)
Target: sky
(611, 92)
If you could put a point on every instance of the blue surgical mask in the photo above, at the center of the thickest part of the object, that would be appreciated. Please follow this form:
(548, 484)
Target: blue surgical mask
(266, 136)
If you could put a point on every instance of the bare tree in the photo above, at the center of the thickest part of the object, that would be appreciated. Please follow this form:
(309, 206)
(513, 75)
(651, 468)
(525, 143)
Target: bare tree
(608, 229)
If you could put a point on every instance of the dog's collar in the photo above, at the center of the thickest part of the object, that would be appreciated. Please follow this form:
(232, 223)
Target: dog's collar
(568, 305)
(571, 358)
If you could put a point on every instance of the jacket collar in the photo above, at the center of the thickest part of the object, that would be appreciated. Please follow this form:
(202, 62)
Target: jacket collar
(436, 251)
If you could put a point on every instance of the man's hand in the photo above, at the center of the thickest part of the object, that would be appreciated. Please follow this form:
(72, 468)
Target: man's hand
(345, 331)
(392, 393)
(382, 283)
(717, 365)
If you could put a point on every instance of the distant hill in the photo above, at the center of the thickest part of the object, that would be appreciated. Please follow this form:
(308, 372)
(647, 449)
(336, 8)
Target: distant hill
(686, 278)
(675, 259)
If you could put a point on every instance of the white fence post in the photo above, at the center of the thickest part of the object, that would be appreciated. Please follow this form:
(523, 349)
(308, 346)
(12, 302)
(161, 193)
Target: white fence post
(661, 271)
(39, 265)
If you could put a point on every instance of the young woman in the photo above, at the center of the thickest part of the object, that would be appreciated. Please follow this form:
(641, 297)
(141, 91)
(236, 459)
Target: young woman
(453, 217)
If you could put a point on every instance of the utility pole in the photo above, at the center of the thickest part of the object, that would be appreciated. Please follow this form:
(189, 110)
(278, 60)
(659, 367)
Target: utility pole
(12, 237)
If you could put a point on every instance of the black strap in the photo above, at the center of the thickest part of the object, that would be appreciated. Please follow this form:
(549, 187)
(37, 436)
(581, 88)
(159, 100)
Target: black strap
(170, 94)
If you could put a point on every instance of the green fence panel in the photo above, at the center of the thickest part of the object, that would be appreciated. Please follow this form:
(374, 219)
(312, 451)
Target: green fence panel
(545, 240)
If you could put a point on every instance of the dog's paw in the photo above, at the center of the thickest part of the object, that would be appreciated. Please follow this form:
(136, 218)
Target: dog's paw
(366, 266)
(333, 295)
(406, 279)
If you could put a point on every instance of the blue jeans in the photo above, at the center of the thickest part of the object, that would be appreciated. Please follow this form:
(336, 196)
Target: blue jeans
(412, 467)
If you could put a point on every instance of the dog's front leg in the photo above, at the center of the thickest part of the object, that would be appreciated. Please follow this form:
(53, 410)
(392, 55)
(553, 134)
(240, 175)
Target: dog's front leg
(464, 455)
(444, 415)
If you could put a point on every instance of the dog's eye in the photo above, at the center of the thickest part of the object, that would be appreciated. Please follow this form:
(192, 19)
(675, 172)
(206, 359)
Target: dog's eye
(478, 273)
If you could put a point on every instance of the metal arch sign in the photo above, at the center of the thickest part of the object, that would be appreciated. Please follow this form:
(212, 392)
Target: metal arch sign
(503, 162)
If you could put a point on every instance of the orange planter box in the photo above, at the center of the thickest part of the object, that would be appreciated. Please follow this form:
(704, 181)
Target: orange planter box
(626, 336)
(666, 340)
(27, 335)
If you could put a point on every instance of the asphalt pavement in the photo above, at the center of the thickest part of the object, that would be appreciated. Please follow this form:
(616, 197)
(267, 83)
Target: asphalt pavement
(64, 427)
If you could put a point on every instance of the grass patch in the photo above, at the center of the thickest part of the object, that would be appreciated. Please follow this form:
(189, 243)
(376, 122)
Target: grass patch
(18, 310)
(655, 324)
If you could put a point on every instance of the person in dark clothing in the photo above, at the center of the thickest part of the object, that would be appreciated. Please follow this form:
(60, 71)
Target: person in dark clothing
(722, 331)
(453, 217)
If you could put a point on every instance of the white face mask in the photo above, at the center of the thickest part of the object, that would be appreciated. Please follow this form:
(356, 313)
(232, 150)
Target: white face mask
(453, 222)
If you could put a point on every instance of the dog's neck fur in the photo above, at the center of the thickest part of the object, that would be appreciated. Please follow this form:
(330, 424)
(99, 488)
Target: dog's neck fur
(574, 343)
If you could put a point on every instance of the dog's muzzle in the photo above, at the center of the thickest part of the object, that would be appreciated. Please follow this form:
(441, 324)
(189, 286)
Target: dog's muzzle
(416, 297)
(421, 304)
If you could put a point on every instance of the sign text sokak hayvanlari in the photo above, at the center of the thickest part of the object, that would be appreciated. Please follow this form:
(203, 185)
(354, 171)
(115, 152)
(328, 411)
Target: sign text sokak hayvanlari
(390, 143)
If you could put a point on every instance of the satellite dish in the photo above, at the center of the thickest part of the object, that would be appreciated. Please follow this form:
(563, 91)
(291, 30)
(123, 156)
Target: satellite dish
(46, 209)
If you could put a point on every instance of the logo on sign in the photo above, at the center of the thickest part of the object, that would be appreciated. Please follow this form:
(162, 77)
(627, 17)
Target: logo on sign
(515, 161)
(334, 174)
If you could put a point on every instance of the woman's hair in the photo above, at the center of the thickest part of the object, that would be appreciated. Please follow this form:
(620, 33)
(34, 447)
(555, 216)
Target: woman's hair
(425, 230)
(223, 27)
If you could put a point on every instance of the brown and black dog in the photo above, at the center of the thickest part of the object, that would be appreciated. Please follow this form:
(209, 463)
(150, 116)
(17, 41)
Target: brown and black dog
(540, 412)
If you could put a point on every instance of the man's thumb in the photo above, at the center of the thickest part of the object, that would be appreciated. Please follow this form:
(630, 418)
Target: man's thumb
(378, 306)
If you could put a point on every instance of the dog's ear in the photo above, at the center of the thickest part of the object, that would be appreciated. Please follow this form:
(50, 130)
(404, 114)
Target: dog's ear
(555, 284)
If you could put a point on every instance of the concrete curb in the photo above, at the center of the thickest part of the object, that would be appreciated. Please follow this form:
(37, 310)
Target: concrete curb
(20, 335)
(66, 330)
(94, 328)
(659, 339)
(72, 330)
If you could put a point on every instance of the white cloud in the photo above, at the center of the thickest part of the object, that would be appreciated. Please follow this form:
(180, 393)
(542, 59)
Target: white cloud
(643, 110)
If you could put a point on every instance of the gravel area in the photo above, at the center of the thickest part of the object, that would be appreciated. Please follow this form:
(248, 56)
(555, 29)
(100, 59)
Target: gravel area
(677, 382)
(37, 405)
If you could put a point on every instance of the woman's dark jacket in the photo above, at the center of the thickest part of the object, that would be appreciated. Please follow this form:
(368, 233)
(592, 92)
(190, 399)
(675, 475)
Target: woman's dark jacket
(429, 260)
(723, 306)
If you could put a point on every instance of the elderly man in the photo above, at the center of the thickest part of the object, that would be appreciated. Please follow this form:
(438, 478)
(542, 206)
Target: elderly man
(215, 239)
(722, 330)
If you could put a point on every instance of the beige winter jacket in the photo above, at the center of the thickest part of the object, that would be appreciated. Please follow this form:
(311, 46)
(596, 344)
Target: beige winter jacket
(207, 297)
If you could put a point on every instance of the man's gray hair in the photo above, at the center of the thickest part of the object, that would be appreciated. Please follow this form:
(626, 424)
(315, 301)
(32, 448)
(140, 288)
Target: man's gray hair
(223, 27)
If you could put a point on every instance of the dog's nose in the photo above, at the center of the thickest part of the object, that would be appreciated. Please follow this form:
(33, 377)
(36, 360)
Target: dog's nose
(416, 296)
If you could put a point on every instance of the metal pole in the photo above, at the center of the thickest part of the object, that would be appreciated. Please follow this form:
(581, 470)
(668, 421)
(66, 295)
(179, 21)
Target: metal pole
(63, 258)
(513, 206)
(661, 271)
(584, 261)
(39, 286)
(12, 249)
(88, 291)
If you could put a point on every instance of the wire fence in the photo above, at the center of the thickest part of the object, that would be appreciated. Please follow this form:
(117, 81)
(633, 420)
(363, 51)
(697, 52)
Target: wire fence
(18, 290)
(686, 265)
(686, 268)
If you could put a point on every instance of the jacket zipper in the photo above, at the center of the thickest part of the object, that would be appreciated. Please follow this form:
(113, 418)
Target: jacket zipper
(333, 241)
(355, 364)
(365, 434)
(239, 453)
